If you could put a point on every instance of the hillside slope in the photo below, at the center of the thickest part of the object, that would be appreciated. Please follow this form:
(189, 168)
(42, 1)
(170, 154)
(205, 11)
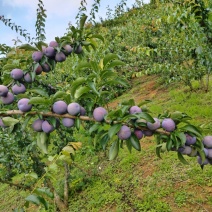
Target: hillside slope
(140, 181)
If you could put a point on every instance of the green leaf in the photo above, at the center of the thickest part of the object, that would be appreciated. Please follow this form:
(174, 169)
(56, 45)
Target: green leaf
(114, 129)
(104, 140)
(129, 145)
(97, 36)
(182, 159)
(32, 174)
(182, 137)
(199, 50)
(77, 123)
(28, 47)
(118, 81)
(94, 128)
(39, 101)
(114, 149)
(135, 142)
(106, 74)
(42, 141)
(192, 129)
(115, 63)
(24, 125)
(44, 190)
(140, 116)
(9, 66)
(82, 21)
(108, 58)
(40, 92)
(43, 201)
(78, 82)
(85, 43)
(93, 88)
(83, 65)
(93, 44)
(169, 144)
(40, 44)
(9, 121)
(158, 148)
(67, 150)
(94, 66)
(82, 90)
(33, 199)
(59, 94)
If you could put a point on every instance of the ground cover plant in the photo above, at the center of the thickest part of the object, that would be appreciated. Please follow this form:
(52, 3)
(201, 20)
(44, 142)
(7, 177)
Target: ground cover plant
(42, 118)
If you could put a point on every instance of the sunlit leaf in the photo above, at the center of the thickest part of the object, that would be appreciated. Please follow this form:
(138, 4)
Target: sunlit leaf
(114, 149)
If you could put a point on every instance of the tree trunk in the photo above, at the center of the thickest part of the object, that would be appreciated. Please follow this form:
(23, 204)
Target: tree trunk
(66, 184)
(57, 199)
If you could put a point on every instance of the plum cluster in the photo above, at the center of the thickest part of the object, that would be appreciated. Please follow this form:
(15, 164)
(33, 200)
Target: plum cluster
(7, 97)
(59, 107)
(54, 52)
(168, 125)
(125, 132)
(188, 149)
(41, 64)
(207, 142)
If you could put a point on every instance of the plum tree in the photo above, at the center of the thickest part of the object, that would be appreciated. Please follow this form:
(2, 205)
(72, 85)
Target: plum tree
(124, 133)
(135, 109)
(207, 141)
(115, 126)
(68, 122)
(168, 124)
(37, 56)
(73, 108)
(23, 105)
(18, 88)
(155, 125)
(8, 99)
(37, 125)
(17, 74)
(60, 107)
(99, 113)
(3, 90)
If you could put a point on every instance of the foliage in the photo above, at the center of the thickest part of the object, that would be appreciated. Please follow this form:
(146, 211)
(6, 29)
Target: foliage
(40, 22)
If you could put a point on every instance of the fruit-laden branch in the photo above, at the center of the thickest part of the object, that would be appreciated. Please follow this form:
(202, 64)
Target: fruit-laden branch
(44, 114)
(84, 118)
